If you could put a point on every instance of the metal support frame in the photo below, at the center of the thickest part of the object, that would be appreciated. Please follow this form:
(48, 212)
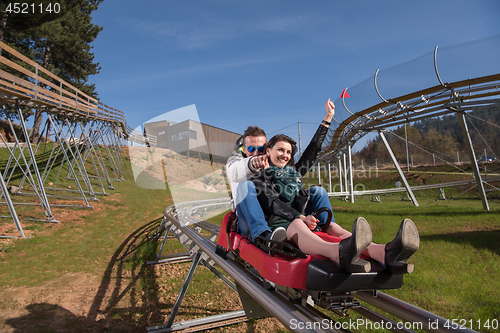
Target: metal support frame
(23, 159)
(341, 173)
(11, 209)
(30, 162)
(88, 148)
(89, 151)
(182, 293)
(319, 173)
(115, 147)
(95, 139)
(396, 164)
(168, 227)
(25, 167)
(329, 177)
(102, 131)
(65, 147)
(351, 178)
(78, 160)
(62, 146)
(345, 172)
(197, 257)
(200, 324)
(33, 160)
(472, 155)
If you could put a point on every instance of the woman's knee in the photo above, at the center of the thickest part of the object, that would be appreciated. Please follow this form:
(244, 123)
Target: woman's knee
(336, 230)
(294, 229)
(297, 226)
(317, 190)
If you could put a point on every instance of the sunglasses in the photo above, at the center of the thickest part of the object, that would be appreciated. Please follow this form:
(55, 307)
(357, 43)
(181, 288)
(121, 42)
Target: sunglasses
(251, 149)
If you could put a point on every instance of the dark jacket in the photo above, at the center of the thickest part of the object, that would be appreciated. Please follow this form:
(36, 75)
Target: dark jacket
(273, 206)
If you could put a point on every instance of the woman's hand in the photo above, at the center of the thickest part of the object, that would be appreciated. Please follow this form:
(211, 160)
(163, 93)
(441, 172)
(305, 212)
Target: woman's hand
(310, 221)
(330, 111)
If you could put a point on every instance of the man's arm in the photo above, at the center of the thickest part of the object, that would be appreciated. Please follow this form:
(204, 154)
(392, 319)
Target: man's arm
(240, 168)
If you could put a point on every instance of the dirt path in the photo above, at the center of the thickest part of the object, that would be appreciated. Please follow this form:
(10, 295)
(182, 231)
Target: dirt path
(123, 295)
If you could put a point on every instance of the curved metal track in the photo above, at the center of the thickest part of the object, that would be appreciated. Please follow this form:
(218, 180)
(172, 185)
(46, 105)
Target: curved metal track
(458, 97)
(35, 87)
(296, 317)
(92, 157)
(455, 97)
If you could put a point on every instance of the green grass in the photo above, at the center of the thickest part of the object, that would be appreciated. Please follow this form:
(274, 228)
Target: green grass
(371, 179)
(455, 275)
(457, 265)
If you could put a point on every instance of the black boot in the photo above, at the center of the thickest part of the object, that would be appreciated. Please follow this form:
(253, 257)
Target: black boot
(397, 251)
(350, 248)
(262, 241)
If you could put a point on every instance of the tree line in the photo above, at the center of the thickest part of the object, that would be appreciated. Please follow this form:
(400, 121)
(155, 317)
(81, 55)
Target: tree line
(436, 139)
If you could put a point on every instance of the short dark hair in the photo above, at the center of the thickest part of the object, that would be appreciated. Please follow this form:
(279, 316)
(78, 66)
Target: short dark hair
(285, 138)
(254, 131)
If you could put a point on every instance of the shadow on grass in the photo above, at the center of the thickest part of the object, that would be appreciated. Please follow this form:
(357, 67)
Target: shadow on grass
(128, 299)
(479, 239)
(130, 258)
(106, 313)
(45, 318)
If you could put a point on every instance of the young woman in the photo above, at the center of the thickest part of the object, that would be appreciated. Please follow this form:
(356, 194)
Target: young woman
(286, 203)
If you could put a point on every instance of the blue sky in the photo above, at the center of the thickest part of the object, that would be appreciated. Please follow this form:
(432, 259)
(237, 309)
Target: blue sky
(265, 63)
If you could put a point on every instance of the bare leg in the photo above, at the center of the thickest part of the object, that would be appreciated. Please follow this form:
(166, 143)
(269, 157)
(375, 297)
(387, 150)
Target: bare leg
(374, 250)
(336, 230)
(406, 243)
(310, 243)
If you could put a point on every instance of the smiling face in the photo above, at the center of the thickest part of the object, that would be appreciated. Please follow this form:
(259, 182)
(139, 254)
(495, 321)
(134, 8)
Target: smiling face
(280, 154)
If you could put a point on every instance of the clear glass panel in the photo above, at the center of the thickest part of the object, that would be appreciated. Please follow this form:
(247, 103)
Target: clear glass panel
(455, 63)
(470, 60)
(177, 153)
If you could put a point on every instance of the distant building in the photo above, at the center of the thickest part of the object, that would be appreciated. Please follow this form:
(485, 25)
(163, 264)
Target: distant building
(194, 137)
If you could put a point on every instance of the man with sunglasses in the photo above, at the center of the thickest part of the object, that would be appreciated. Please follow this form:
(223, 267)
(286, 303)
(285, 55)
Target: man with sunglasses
(247, 161)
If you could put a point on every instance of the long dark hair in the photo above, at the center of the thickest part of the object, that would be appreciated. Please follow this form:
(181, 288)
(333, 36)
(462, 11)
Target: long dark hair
(282, 137)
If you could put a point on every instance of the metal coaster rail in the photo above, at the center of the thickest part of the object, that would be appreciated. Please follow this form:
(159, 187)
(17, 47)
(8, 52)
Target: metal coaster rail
(455, 97)
(458, 98)
(92, 160)
(41, 89)
(179, 221)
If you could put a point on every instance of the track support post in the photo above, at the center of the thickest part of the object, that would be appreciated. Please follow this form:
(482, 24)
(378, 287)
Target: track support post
(473, 161)
(396, 164)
